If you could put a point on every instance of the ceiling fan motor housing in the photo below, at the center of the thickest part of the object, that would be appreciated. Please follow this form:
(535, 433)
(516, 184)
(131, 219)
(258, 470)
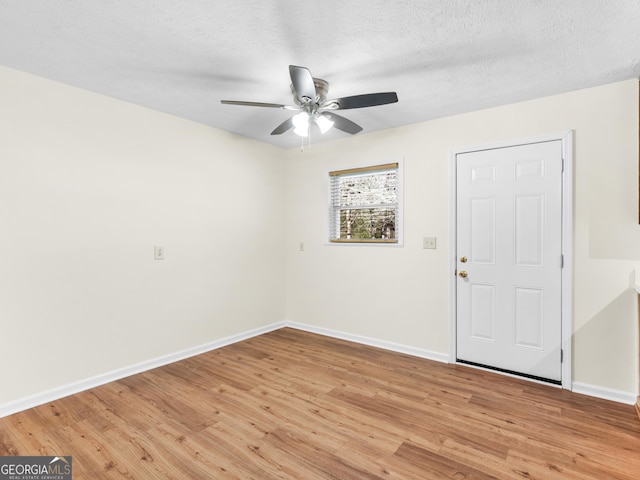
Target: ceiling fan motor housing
(322, 88)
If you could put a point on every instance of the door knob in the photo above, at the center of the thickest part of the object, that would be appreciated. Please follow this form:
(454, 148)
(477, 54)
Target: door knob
(463, 259)
(463, 274)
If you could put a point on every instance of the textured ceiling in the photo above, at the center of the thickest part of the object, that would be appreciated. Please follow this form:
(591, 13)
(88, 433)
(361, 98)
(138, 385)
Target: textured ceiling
(442, 57)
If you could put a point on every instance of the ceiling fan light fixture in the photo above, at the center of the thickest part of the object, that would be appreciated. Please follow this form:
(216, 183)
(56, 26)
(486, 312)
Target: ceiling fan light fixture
(302, 132)
(301, 124)
(324, 123)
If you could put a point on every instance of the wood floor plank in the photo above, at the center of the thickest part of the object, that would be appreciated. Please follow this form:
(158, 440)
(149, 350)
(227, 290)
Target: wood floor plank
(295, 405)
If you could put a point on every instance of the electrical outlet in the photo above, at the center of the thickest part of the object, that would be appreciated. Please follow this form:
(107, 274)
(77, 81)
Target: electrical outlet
(302, 246)
(429, 242)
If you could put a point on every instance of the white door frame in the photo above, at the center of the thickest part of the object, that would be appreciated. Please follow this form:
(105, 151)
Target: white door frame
(567, 242)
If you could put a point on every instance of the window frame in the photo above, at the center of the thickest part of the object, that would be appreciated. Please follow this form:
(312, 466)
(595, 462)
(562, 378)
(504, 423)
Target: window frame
(399, 220)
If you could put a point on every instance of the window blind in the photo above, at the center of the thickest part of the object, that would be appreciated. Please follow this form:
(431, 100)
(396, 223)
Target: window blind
(364, 204)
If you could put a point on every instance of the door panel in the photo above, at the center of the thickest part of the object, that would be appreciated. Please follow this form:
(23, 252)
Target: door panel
(483, 311)
(529, 231)
(482, 244)
(528, 317)
(509, 226)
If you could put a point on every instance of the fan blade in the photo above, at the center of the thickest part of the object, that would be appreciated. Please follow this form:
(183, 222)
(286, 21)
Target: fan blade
(253, 104)
(343, 124)
(302, 83)
(366, 100)
(283, 127)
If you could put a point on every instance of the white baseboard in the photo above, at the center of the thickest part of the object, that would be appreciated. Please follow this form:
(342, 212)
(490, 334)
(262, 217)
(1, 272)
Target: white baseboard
(604, 393)
(82, 385)
(373, 342)
(86, 384)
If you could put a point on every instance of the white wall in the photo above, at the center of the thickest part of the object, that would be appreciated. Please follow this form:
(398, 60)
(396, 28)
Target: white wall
(401, 295)
(88, 185)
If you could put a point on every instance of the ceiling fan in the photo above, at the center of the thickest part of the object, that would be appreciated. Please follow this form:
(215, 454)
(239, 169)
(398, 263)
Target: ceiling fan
(310, 98)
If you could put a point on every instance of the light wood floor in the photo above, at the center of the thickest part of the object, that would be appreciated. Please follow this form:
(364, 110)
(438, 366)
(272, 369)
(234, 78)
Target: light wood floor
(290, 404)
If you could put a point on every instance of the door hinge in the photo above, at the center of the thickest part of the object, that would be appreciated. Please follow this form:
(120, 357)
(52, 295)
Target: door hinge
(561, 355)
(562, 162)
(561, 261)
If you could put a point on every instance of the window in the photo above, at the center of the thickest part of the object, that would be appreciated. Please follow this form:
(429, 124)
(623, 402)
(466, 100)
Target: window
(365, 204)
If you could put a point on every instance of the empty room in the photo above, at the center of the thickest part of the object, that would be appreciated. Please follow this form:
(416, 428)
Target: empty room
(331, 240)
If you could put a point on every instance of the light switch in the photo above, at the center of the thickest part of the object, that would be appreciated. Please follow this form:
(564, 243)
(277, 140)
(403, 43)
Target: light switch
(158, 252)
(429, 242)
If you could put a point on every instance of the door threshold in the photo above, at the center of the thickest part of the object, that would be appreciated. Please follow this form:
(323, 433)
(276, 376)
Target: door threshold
(511, 373)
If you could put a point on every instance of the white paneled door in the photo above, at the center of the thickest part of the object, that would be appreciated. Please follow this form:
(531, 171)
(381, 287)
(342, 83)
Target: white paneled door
(509, 258)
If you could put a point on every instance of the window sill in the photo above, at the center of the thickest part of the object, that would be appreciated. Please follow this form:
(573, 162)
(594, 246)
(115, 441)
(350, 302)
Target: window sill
(355, 241)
